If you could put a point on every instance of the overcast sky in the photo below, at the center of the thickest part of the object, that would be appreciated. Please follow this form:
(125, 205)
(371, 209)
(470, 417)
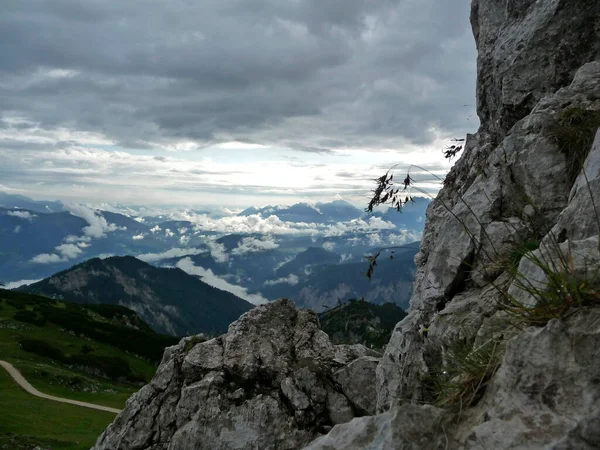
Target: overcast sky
(233, 102)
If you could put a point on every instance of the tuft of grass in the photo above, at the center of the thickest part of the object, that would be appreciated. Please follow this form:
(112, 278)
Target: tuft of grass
(574, 133)
(515, 256)
(463, 376)
(192, 341)
(564, 288)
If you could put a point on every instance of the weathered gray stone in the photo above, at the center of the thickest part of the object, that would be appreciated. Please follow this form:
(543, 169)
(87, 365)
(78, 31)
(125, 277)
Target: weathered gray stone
(581, 218)
(266, 384)
(526, 50)
(345, 353)
(584, 436)
(546, 384)
(576, 260)
(357, 381)
(409, 427)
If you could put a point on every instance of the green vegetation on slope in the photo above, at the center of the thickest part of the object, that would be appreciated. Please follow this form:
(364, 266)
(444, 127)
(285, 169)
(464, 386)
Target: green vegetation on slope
(27, 421)
(361, 322)
(93, 354)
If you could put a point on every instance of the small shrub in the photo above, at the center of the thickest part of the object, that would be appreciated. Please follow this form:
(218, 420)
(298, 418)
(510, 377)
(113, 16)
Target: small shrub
(193, 341)
(29, 317)
(85, 349)
(574, 134)
(43, 348)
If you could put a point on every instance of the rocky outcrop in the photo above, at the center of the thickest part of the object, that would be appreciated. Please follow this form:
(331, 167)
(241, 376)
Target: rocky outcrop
(497, 202)
(274, 381)
(545, 395)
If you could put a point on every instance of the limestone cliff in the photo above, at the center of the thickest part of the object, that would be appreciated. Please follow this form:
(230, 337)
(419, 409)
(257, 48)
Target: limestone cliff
(519, 181)
(517, 195)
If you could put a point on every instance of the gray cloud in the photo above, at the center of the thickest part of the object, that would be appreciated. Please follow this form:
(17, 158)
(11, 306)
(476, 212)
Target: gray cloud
(309, 75)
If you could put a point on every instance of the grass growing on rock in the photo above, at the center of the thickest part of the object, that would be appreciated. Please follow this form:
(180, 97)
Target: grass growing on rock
(466, 369)
(574, 133)
(562, 286)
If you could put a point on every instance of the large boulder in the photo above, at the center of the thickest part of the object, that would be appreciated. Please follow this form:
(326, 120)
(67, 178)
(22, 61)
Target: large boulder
(269, 383)
(546, 394)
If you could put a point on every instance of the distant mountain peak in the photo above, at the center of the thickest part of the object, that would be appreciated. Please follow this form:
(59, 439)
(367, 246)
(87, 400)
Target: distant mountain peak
(170, 300)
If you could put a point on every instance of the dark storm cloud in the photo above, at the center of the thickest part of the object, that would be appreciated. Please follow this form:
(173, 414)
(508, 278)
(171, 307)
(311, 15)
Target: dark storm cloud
(310, 74)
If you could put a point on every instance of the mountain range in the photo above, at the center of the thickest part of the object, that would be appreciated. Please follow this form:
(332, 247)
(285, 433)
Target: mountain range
(313, 253)
(168, 299)
(320, 286)
(342, 211)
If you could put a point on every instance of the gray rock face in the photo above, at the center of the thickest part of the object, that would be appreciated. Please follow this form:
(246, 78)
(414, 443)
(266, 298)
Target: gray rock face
(528, 49)
(357, 382)
(471, 227)
(269, 383)
(399, 429)
(545, 390)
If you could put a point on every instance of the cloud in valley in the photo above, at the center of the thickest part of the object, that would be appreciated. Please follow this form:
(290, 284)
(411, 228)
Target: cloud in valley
(291, 279)
(187, 265)
(26, 215)
(16, 284)
(255, 245)
(98, 226)
(172, 253)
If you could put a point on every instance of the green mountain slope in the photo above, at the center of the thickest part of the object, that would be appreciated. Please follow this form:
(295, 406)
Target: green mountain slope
(361, 322)
(169, 300)
(93, 353)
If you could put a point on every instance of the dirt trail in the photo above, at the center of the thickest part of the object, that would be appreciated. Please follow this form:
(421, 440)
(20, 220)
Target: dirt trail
(21, 381)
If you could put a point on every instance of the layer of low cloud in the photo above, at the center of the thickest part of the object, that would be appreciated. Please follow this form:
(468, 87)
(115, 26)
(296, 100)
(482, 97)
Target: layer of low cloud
(188, 266)
(172, 253)
(64, 252)
(73, 246)
(218, 251)
(25, 215)
(98, 225)
(16, 284)
(291, 279)
(255, 245)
